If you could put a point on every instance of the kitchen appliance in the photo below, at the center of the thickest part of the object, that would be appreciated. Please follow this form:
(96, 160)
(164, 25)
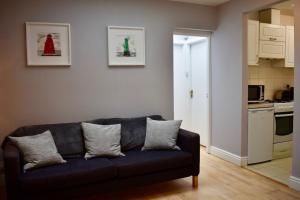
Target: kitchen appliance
(256, 93)
(285, 95)
(283, 129)
(260, 134)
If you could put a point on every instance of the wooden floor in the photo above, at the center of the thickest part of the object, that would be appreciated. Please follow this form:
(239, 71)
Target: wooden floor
(218, 180)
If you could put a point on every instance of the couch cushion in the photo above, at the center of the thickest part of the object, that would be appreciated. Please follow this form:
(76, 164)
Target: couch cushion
(102, 140)
(76, 171)
(161, 134)
(38, 150)
(68, 137)
(144, 162)
(133, 131)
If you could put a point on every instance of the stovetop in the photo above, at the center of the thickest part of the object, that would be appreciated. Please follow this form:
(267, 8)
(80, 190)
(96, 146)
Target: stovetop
(278, 101)
(284, 107)
(279, 106)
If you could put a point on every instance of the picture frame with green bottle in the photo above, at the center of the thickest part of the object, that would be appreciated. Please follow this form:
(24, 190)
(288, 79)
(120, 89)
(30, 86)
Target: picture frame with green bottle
(126, 46)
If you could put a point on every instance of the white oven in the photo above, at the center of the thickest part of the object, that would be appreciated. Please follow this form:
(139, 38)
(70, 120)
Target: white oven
(283, 130)
(283, 122)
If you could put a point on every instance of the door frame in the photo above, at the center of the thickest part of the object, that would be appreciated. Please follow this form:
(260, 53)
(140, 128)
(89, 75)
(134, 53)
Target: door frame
(200, 33)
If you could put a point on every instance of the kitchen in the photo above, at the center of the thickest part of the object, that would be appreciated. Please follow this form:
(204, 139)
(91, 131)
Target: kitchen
(271, 91)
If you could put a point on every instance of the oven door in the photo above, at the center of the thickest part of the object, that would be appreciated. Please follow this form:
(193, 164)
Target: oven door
(283, 127)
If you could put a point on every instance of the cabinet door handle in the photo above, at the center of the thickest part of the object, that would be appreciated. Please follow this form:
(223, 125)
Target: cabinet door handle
(272, 39)
(191, 93)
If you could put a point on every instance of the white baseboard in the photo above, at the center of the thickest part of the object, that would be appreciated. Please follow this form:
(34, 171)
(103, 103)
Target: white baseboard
(208, 149)
(294, 182)
(230, 157)
(244, 161)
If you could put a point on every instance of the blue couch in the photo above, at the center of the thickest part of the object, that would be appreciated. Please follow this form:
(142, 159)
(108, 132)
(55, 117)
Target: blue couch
(80, 177)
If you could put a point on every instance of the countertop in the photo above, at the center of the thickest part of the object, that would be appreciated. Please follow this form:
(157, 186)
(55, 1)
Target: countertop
(260, 105)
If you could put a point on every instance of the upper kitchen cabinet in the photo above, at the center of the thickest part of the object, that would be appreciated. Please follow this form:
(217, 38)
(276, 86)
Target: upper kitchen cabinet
(289, 53)
(271, 50)
(272, 32)
(253, 42)
(272, 41)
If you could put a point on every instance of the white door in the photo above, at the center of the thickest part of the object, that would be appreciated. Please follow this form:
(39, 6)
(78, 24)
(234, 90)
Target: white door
(191, 85)
(182, 85)
(200, 87)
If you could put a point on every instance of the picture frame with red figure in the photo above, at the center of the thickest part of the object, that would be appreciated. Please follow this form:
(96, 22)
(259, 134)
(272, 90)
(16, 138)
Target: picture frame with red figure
(48, 44)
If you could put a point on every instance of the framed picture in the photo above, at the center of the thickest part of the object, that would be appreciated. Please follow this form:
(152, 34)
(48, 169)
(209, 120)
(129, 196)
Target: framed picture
(48, 44)
(126, 46)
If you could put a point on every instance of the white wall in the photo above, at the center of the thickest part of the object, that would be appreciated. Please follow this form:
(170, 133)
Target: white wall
(296, 150)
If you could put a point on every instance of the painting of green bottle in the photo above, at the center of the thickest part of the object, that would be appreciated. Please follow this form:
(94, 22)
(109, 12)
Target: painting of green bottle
(126, 46)
(128, 49)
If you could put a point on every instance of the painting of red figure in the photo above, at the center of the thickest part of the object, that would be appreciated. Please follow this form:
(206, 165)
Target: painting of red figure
(49, 44)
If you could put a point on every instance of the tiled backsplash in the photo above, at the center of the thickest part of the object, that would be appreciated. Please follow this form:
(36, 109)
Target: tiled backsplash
(274, 78)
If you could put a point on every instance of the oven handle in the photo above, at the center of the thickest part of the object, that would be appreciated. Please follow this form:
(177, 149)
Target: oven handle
(274, 129)
(284, 115)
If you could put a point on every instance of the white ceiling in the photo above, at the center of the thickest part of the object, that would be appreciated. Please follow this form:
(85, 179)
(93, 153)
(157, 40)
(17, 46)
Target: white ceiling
(286, 5)
(204, 2)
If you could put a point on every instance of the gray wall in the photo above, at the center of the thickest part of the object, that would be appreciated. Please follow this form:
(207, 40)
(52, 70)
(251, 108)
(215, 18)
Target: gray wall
(89, 88)
(296, 153)
(229, 80)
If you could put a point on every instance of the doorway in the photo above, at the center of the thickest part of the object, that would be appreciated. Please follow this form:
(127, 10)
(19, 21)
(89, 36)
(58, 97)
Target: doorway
(271, 118)
(191, 73)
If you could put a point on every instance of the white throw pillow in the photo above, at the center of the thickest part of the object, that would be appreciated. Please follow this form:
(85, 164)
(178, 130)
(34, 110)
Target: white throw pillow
(161, 134)
(102, 140)
(38, 150)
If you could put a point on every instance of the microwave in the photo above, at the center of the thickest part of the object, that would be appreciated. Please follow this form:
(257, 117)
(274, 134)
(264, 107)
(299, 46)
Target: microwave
(256, 93)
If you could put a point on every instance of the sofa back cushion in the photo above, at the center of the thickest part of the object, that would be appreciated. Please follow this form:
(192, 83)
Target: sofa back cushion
(68, 137)
(133, 131)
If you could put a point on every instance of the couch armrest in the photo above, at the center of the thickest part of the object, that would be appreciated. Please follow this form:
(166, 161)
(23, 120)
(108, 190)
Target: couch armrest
(190, 142)
(12, 168)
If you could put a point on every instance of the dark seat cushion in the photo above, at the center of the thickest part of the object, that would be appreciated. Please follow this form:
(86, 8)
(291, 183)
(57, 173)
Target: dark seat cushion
(68, 137)
(133, 131)
(144, 162)
(75, 172)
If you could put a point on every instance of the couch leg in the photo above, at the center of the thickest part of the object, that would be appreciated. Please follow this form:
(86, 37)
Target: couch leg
(195, 181)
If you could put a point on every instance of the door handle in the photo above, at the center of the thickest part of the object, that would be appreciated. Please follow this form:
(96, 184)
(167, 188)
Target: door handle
(191, 93)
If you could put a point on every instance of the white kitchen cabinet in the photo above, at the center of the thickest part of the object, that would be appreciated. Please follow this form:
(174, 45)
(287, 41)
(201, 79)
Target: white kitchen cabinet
(272, 41)
(289, 52)
(269, 49)
(260, 134)
(253, 42)
(271, 32)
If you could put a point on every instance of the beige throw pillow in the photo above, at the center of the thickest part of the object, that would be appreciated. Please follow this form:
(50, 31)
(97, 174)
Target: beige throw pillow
(38, 150)
(102, 140)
